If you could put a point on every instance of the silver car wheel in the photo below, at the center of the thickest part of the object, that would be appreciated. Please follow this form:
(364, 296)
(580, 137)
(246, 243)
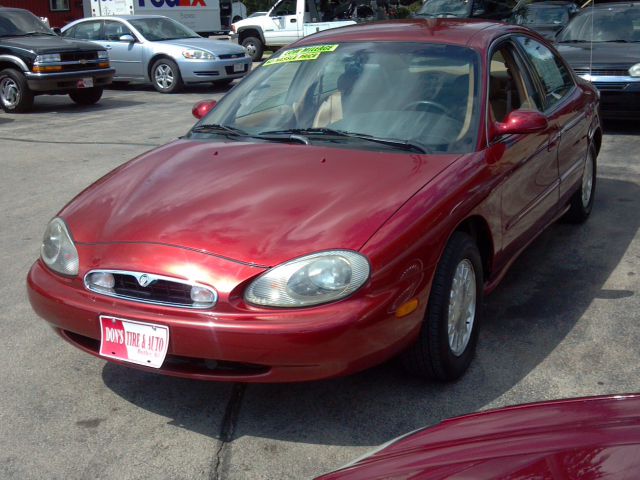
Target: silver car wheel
(164, 76)
(462, 307)
(251, 49)
(587, 180)
(9, 92)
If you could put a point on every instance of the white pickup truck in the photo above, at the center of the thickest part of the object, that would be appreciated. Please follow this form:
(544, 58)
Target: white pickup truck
(286, 22)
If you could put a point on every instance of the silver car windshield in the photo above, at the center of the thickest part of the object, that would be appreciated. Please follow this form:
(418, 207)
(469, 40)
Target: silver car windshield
(422, 94)
(162, 28)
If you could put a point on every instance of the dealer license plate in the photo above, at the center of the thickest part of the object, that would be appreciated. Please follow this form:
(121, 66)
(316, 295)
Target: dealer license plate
(238, 67)
(85, 83)
(133, 342)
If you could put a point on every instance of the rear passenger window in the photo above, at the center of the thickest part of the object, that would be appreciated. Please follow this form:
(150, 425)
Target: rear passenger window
(555, 77)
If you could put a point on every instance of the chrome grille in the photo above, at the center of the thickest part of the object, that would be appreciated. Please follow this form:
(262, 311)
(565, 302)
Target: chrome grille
(150, 288)
(602, 71)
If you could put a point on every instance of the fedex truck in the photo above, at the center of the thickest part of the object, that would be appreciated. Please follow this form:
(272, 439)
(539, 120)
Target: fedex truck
(203, 16)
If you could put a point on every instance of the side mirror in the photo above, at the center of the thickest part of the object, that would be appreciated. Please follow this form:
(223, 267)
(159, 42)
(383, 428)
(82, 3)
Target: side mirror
(57, 30)
(201, 109)
(521, 121)
(127, 38)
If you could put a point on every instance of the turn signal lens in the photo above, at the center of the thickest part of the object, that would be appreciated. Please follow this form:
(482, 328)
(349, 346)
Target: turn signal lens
(201, 295)
(407, 308)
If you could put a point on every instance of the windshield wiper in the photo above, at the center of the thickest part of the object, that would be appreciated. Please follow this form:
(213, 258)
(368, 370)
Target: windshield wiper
(218, 128)
(298, 133)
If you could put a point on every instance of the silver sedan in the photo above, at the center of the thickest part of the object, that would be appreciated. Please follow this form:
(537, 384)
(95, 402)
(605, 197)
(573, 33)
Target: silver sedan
(156, 49)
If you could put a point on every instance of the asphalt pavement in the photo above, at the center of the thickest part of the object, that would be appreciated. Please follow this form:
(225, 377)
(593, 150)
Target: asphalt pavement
(563, 323)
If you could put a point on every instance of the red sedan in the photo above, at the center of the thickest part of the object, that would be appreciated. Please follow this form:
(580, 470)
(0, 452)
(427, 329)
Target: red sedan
(580, 439)
(352, 199)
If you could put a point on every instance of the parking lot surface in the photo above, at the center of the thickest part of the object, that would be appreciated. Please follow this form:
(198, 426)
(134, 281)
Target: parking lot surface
(563, 323)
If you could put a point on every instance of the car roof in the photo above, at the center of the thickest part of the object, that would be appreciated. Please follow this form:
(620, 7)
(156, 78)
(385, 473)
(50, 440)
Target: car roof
(615, 5)
(475, 33)
(121, 17)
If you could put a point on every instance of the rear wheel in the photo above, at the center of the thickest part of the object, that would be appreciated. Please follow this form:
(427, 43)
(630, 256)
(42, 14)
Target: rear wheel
(166, 77)
(86, 96)
(582, 200)
(15, 96)
(449, 334)
(255, 48)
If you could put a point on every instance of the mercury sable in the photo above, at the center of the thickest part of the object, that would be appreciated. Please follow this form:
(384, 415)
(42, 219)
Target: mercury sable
(351, 200)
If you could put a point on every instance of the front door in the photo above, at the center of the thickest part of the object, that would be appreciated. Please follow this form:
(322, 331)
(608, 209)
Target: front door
(125, 56)
(285, 23)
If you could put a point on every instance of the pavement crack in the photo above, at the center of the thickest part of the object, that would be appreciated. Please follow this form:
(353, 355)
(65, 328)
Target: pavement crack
(229, 422)
(58, 142)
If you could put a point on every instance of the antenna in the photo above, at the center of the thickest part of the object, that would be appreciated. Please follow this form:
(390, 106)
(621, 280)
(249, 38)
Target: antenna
(591, 42)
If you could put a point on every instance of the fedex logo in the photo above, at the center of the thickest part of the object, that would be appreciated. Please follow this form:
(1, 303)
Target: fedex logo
(174, 3)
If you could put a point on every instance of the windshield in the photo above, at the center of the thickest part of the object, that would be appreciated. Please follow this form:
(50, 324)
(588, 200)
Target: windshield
(162, 28)
(15, 23)
(458, 8)
(543, 16)
(609, 25)
(422, 94)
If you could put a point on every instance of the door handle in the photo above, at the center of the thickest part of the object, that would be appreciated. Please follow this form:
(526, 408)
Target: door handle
(293, 20)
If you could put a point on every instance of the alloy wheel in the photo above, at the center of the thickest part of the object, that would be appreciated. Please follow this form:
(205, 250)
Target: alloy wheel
(462, 307)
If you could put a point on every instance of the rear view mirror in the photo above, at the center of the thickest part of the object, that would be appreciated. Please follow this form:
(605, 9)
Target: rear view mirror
(201, 109)
(521, 121)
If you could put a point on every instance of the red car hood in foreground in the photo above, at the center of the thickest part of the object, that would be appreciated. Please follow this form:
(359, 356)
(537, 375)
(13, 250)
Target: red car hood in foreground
(585, 439)
(258, 203)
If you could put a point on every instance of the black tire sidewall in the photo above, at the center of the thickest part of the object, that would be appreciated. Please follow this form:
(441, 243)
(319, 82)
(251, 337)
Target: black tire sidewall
(177, 83)
(258, 46)
(26, 95)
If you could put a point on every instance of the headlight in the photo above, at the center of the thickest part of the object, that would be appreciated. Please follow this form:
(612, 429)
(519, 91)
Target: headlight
(48, 58)
(635, 70)
(58, 250)
(311, 280)
(193, 54)
(103, 55)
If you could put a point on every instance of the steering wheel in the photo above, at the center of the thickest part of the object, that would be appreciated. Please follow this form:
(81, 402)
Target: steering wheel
(428, 104)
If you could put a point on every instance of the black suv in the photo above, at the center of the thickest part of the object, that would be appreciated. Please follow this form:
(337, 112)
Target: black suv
(34, 60)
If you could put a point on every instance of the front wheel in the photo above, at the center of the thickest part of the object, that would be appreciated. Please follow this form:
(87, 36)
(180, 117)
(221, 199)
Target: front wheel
(582, 200)
(166, 77)
(15, 96)
(255, 48)
(86, 96)
(449, 333)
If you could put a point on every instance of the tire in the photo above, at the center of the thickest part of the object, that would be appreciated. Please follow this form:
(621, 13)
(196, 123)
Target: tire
(438, 354)
(165, 76)
(86, 96)
(581, 202)
(255, 48)
(15, 95)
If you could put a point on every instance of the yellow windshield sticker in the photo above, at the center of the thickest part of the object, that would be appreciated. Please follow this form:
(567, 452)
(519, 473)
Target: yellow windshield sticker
(301, 54)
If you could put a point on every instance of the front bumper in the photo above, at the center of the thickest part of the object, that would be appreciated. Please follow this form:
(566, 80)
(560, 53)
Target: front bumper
(66, 81)
(201, 71)
(232, 341)
(619, 95)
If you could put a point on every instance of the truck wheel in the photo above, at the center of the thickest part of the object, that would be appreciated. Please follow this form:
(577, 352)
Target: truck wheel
(254, 47)
(15, 96)
(166, 77)
(86, 96)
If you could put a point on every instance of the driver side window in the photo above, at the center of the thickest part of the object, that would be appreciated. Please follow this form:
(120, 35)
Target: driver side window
(507, 90)
(288, 7)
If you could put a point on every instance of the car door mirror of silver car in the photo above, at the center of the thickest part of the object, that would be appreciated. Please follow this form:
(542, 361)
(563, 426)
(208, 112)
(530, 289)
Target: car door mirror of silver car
(127, 38)
(520, 121)
(201, 109)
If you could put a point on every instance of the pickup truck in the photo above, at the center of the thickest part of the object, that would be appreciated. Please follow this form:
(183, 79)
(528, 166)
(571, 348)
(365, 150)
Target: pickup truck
(286, 22)
(34, 61)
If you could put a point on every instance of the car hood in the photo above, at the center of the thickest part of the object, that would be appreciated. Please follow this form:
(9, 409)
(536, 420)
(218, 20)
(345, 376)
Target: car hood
(604, 53)
(260, 203)
(596, 437)
(49, 44)
(219, 47)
